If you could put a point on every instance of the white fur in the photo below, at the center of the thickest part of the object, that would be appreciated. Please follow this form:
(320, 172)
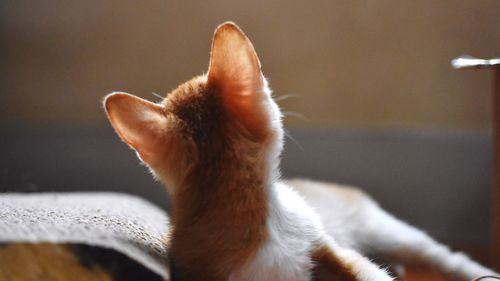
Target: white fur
(293, 232)
(348, 221)
(295, 229)
(355, 221)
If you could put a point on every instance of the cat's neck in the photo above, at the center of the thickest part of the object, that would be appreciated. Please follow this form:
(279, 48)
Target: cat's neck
(219, 221)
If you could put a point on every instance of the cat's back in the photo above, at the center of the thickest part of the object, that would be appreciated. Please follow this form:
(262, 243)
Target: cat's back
(294, 231)
(329, 194)
(343, 209)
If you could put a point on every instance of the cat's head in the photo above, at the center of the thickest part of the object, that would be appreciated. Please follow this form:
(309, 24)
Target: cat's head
(222, 122)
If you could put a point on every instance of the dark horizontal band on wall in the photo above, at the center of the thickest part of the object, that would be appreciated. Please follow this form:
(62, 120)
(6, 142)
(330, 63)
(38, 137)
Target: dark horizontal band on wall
(437, 181)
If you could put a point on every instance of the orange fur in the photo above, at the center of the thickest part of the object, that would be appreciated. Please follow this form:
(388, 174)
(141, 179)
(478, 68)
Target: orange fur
(215, 142)
(222, 187)
(330, 267)
(45, 261)
(209, 144)
(235, 71)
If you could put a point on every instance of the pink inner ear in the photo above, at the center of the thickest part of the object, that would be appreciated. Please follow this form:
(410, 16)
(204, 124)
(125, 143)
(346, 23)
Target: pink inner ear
(235, 71)
(138, 122)
(234, 65)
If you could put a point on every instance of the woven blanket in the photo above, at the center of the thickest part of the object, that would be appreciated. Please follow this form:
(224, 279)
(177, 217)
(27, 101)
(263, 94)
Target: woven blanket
(122, 223)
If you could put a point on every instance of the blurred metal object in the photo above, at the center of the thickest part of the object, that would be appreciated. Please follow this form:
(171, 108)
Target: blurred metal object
(466, 62)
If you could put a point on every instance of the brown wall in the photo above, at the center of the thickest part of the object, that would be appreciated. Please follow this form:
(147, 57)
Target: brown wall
(355, 64)
(363, 64)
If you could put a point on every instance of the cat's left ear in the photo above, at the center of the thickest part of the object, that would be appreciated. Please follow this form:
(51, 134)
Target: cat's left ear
(235, 71)
(139, 123)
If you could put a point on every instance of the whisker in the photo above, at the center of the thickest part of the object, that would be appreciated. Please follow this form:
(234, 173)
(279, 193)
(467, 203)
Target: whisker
(158, 96)
(294, 114)
(287, 134)
(284, 97)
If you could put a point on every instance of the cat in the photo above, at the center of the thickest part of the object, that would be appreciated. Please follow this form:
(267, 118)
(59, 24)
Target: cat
(215, 142)
(48, 261)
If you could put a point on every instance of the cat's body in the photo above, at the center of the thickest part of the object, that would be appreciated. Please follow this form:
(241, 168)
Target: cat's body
(356, 221)
(295, 237)
(215, 142)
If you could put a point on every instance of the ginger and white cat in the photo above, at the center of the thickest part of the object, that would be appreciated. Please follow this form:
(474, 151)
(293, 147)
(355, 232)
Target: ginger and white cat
(215, 142)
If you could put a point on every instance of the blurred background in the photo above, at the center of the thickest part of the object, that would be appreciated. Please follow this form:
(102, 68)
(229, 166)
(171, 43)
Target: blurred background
(381, 106)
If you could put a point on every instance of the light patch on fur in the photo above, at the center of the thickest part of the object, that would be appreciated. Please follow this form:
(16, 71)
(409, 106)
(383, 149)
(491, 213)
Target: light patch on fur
(357, 222)
(359, 266)
(294, 231)
(297, 244)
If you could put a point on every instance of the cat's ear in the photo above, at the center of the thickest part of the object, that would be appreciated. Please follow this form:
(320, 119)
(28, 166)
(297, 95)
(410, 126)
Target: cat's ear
(140, 123)
(235, 71)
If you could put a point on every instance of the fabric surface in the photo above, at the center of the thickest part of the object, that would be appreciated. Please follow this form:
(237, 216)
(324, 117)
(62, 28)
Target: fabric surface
(124, 223)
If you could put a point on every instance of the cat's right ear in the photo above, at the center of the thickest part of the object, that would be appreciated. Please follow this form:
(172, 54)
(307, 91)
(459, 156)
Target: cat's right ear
(235, 71)
(139, 123)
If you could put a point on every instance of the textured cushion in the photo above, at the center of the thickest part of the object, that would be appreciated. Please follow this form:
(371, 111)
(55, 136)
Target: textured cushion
(122, 223)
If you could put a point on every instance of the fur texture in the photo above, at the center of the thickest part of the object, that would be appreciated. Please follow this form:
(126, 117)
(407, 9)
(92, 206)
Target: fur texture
(43, 261)
(358, 222)
(215, 142)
